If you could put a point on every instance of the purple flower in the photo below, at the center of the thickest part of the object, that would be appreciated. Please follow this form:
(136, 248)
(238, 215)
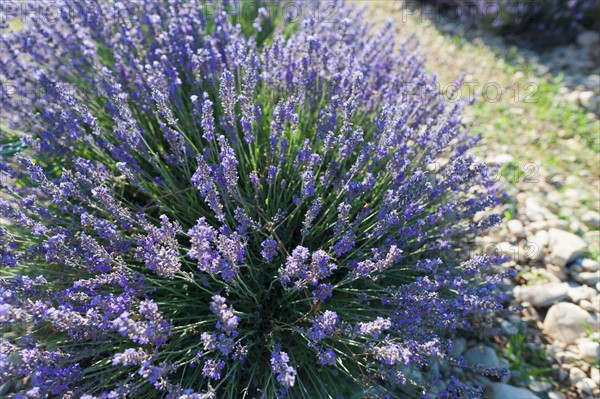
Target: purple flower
(160, 249)
(375, 328)
(212, 369)
(326, 357)
(286, 374)
(323, 292)
(323, 325)
(203, 181)
(208, 122)
(269, 249)
(228, 322)
(295, 266)
(130, 357)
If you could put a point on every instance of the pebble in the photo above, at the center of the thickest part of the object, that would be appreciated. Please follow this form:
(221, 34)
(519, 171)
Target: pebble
(541, 294)
(539, 386)
(587, 305)
(548, 276)
(589, 350)
(4, 388)
(578, 293)
(595, 374)
(588, 99)
(567, 357)
(505, 365)
(591, 219)
(458, 346)
(588, 39)
(515, 227)
(556, 271)
(503, 249)
(572, 97)
(555, 395)
(536, 212)
(592, 82)
(590, 265)
(500, 390)
(588, 278)
(566, 322)
(565, 246)
(576, 375)
(548, 224)
(540, 238)
(562, 375)
(482, 355)
(587, 385)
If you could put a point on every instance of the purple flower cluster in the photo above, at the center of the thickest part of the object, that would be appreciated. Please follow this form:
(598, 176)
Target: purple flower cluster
(227, 321)
(214, 207)
(298, 268)
(285, 374)
(216, 253)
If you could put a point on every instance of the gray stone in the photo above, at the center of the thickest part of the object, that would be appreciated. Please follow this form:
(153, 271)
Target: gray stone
(501, 390)
(458, 346)
(539, 239)
(592, 82)
(546, 275)
(565, 246)
(590, 265)
(576, 375)
(562, 375)
(556, 271)
(587, 385)
(503, 249)
(555, 395)
(566, 322)
(589, 350)
(481, 381)
(413, 374)
(482, 355)
(548, 224)
(572, 97)
(505, 365)
(588, 39)
(588, 99)
(536, 212)
(580, 292)
(588, 278)
(541, 294)
(515, 227)
(539, 386)
(4, 388)
(595, 374)
(567, 357)
(591, 219)
(587, 305)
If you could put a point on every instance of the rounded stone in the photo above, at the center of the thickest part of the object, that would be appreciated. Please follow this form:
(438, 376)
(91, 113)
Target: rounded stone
(501, 390)
(589, 350)
(576, 375)
(567, 322)
(541, 294)
(515, 227)
(482, 355)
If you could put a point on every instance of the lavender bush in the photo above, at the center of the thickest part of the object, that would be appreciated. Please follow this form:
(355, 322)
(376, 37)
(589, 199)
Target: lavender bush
(199, 214)
(553, 16)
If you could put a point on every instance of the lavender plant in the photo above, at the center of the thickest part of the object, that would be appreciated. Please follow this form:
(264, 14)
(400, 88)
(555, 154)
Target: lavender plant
(552, 16)
(201, 215)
